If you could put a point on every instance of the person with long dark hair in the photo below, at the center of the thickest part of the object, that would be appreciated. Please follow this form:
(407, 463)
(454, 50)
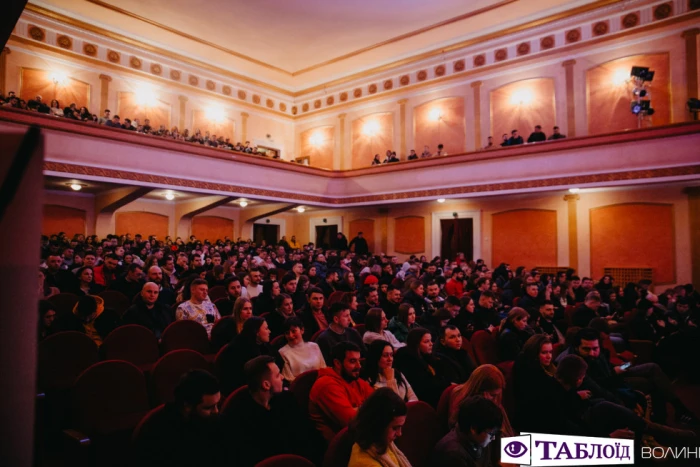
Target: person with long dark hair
(47, 315)
(417, 363)
(265, 302)
(514, 332)
(380, 373)
(375, 428)
(401, 324)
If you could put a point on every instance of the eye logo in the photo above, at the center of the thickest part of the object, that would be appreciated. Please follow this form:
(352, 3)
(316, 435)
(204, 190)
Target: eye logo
(515, 449)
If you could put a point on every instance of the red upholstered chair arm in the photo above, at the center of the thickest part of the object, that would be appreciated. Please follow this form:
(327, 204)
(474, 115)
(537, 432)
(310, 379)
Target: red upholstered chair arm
(643, 350)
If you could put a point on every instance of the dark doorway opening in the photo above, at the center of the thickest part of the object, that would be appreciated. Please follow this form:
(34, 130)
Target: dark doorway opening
(457, 236)
(269, 233)
(326, 235)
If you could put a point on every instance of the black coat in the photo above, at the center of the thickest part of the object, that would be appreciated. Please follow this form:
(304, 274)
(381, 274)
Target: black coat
(417, 302)
(511, 342)
(454, 365)
(232, 359)
(427, 386)
(361, 246)
(156, 319)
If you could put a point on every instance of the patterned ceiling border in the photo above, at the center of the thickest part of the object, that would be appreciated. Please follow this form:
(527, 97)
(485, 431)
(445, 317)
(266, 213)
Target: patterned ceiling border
(577, 180)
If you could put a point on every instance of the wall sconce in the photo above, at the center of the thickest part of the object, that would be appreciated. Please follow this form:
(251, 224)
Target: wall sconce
(521, 97)
(620, 77)
(316, 139)
(370, 128)
(435, 115)
(145, 96)
(58, 78)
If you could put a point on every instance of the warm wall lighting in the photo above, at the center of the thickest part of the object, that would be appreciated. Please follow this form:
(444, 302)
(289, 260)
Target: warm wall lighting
(76, 186)
(243, 204)
(441, 200)
(434, 115)
(521, 97)
(370, 128)
(316, 139)
(169, 195)
(620, 77)
(574, 190)
(58, 78)
(145, 96)
(301, 209)
(215, 114)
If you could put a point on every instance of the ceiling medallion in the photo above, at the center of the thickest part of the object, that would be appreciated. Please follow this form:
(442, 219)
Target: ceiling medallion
(305, 107)
(174, 74)
(500, 55)
(113, 56)
(241, 95)
(601, 28)
(343, 96)
(547, 42)
(64, 42)
(372, 88)
(330, 100)
(226, 90)
(422, 75)
(663, 11)
(135, 63)
(440, 70)
(630, 20)
(283, 107)
(573, 36)
(317, 104)
(357, 93)
(37, 33)
(388, 84)
(89, 49)
(211, 85)
(256, 99)
(294, 110)
(479, 60)
(269, 103)
(404, 80)
(193, 80)
(524, 48)
(459, 65)
(156, 69)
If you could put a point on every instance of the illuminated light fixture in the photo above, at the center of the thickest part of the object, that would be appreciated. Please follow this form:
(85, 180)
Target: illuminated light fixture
(215, 114)
(434, 115)
(370, 128)
(169, 195)
(58, 78)
(316, 139)
(243, 204)
(441, 200)
(145, 96)
(574, 190)
(76, 186)
(521, 97)
(301, 209)
(620, 77)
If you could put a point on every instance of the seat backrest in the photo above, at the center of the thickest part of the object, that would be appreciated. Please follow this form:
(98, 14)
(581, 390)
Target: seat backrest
(301, 388)
(420, 433)
(316, 334)
(509, 391)
(217, 292)
(169, 368)
(285, 460)
(335, 297)
(466, 345)
(136, 436)
(64, 302)
(132, 343)
(185, 334)
(516, 300)
(230, 405)
(278, 342)
(361, 329)
(485, 347)
(443, 407)
(109, 397)
(115, 300)
(557, 349)
(569, 314)
(339, 449)
(62, 357)
(222, 332)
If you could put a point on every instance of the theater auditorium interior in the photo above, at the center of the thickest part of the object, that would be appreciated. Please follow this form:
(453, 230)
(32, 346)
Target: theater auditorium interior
(368, 233)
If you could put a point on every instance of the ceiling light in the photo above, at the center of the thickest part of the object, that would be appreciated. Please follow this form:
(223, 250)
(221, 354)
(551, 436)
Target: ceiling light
(58, 78)
(434, 115)
(574, 190)
(441, 200)
(521, 97)
(370, 128)
(243, 204)
(76, 186)
(301, 209)
(169, 195)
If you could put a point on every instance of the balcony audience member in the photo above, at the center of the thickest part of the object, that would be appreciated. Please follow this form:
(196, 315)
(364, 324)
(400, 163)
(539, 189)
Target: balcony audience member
(148, 312)
(71, 112)
(441, 150)
(426, 152)
(376, 328)
(417, 363)
(338, 330)
(468, 443)
(515, 138)
(376, 426)
(114, 123)
(537, 136)
(455, 363)
(199, 308)
(338, 392)
(56, 109)
(504, 140)
(267, 420)
(185, 432)
(299, 356)
(412, 156)
(489, 143)
(514, 332)
(556, 134)
(401, 324)
(105, 118)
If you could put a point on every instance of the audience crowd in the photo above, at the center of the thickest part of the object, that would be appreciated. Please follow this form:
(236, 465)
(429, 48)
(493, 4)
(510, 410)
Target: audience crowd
(381, 334)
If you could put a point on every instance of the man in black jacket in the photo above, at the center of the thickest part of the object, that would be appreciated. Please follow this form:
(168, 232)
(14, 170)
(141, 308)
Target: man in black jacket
(131, 283)
(148, 312)
(485, 315)
(361, 247)
(546, 313)
(455, 363)
(537, 136)
(515, 138)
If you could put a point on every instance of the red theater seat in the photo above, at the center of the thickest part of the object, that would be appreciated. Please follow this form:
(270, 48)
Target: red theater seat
(116, 301)
(62, 357)
(64, 302)
(443, 407)
(485, 347)
(132, 343)
(185, 334)
(339, 449)
(218, 292)
(167, 371)
(285, 460)
(421, 433)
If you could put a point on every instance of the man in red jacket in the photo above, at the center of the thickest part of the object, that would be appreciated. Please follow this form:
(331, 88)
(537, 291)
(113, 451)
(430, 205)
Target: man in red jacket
(338, 392)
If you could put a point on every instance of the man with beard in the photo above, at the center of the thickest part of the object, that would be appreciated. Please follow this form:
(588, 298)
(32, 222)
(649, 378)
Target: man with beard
(184, 432)
(547, 322)
(392, 302)
(147, 311)
(433, 300)
(338, 392)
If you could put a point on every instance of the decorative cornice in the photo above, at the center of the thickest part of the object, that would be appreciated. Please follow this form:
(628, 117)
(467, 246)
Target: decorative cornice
(567, 63)
(105, 78)
(571, 198)
(690, 33)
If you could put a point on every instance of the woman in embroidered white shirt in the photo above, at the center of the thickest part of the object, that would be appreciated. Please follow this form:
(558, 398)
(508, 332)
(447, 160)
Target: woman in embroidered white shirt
(379, 372)
(375, 325)
(299, 356)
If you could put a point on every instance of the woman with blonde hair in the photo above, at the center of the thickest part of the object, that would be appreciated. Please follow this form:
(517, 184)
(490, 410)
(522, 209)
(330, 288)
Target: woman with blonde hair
(486, 381)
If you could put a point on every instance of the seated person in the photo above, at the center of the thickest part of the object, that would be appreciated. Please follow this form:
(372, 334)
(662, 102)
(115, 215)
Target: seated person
(90, 317)
(467, 444)
(403, 322)
(339, 330)
(313, 314)
(299, 356)
(284, 309)
(547, 326)
(338, 392)
(455, 363)
(586, 312)
(148, 312)
(417, 363)
(266, 420)
(233, 292)
(513, 334)
(184, 433)
(485, 314)
(47, 316)
(129, 284)
(375, 428)
(227, 329)
(380, 373)
(375, 325)
(199, 308)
